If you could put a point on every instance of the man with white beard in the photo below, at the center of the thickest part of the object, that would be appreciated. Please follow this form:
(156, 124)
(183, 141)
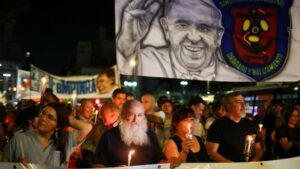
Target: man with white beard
(131, 134)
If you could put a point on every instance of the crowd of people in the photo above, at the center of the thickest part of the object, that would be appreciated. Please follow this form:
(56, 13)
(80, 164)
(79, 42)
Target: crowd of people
(156, 130)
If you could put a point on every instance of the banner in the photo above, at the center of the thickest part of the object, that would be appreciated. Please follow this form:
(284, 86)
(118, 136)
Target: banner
(292, 163)
(219, 40)
(31, 84)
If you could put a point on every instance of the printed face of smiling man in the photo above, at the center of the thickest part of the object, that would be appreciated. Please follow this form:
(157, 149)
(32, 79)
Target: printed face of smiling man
(193, 29)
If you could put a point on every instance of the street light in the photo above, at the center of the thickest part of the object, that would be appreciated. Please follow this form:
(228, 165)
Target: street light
(6, 74)
(183, 84)
(27, 54)
(130, 83)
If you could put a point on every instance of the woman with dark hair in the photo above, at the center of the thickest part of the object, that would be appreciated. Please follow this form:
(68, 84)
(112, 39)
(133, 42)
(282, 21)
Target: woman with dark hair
(50, 144)
(288, 135)
(183, 147)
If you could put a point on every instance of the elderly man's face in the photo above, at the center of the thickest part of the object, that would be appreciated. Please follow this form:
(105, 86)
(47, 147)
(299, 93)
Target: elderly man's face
(193, 34)
(135, 115)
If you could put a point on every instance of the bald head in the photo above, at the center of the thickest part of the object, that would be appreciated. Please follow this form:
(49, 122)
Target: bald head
(148, 102)
(110, 113)
(86, 109)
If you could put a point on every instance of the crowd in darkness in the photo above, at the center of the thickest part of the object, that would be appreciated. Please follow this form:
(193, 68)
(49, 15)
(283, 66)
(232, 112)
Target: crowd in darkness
(158, 129)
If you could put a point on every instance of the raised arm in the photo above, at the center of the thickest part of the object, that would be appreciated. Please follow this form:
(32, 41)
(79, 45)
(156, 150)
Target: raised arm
(83, 128)
(136, 22)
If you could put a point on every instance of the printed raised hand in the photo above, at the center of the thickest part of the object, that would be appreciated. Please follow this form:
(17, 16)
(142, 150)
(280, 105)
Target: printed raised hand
(136, 21)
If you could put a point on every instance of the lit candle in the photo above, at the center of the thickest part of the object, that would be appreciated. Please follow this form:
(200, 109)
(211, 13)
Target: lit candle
(97, 102)
(129, 156)
(249, 143)
(43, 85)
(74, 97)
(96, 117)
(260, 127)
(189, 135)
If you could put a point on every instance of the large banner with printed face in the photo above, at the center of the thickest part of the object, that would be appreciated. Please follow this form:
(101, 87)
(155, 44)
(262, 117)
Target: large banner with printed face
(220, 40)
(31, 84)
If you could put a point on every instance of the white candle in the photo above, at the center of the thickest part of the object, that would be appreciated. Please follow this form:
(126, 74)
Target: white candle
(22, 149)
(249, 143)
(74, 97)
(189, 134)
(43, 85)
(129, 156)
(96, 117)
(260, 127)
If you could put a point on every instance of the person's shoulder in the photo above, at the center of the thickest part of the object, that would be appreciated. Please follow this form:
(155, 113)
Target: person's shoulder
(24, 135)
(247, 121)
(28, 133)
(150, 133)
(221, 120)
(218, 123)
(113, 130)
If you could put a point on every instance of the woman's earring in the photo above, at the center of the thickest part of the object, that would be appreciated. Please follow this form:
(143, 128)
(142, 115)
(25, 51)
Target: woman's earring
(56, 134)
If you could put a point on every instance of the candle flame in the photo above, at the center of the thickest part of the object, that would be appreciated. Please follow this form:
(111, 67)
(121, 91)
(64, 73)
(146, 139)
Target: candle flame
(131, 153)
(249, 138)
(43, 80)
(260, 127)
(97, 101)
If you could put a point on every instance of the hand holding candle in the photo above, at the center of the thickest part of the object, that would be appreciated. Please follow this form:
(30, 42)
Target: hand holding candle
(249, 143)
(129, 157)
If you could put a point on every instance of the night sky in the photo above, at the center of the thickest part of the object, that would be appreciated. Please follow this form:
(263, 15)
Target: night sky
(50, 29)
